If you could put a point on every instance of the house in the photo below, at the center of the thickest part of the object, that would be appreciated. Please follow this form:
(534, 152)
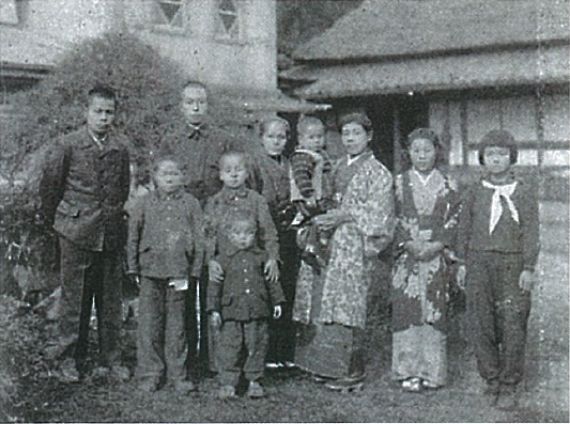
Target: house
(460, 67)
(229, 44)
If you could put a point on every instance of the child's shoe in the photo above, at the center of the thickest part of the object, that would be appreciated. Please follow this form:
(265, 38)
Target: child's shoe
(508, 397)
(227, 392)
(413, 385)
(255, 390)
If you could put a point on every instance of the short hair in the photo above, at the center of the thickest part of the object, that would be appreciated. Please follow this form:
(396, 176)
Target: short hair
(166, 157)
(356, 117)
(498, 138)
(305, 122)
(264, 124)
(239, 153)
(195, 84)
(238, 215)
(102, 91)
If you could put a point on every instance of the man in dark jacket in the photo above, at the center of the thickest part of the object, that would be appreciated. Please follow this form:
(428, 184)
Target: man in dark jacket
(83, 188)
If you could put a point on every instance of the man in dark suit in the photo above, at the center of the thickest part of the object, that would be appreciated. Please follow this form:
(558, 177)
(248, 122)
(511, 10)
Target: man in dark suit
(83, 188)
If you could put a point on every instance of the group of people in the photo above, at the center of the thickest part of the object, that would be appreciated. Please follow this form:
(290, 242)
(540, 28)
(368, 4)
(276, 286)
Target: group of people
(246, 258)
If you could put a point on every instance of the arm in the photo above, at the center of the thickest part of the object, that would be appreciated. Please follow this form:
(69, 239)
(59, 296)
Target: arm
(125, 177)
(135, 225)
(268, 232)
(197, 222)
(530, 227)
(214, 293)
(465, 223)
(302, 167)
(52, 182)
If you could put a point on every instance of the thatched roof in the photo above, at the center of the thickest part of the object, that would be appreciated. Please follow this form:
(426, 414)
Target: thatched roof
(387, 28)
(488, 69)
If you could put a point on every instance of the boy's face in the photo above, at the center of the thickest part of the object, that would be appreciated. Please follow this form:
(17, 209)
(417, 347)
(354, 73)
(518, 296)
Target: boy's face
(274, 138)
(497, 159)
(242, 234)
(168, 177)
(313, 138)
(100, 115)
(422, 154)
(233, 171)
(194, 104)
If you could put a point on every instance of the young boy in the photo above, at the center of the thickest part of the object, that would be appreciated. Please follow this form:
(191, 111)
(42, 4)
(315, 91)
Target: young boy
(242, 304)
(311, 189)
(164, 245)
(235, 195)
(499, 239)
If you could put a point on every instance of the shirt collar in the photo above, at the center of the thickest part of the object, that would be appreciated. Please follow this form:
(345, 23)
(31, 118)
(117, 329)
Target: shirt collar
(172, 196)
(233, 250)
(196, 130)
(365, 154)
(230, 195)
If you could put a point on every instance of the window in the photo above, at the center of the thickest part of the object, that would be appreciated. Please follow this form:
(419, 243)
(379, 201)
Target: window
(228, 19)
(9, 12)
(169, 14)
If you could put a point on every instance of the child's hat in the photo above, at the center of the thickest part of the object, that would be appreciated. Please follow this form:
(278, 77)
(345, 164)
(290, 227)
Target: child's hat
(498, 138)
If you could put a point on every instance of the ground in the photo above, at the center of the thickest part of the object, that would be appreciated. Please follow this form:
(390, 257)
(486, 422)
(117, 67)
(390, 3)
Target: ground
(37, 396)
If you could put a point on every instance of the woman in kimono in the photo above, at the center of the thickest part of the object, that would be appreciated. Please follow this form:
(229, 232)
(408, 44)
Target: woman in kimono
(332, 306)
(427, 210)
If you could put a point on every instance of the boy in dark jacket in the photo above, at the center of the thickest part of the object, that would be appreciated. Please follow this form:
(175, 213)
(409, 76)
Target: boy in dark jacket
(164, 247)
(241, 305)
(499, 239)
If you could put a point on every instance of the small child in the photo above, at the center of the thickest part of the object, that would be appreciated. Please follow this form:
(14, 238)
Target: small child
(164, 243)
(241, 305)
(499, 234)
(311, 188)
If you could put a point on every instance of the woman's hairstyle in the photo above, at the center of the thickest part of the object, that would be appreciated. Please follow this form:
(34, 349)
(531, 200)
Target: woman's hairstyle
(498, 138)
(264, 124)
(305, 122)
(427, 134)
(356, 117)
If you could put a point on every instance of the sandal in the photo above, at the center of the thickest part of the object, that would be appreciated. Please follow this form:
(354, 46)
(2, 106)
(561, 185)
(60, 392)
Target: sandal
(413, 385)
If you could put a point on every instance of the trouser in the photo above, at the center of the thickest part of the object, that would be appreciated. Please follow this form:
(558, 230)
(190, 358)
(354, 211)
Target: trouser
(88, 275)
(282, 331)
(202, 336)
(161, 332)
(233, 337)
(501, 309)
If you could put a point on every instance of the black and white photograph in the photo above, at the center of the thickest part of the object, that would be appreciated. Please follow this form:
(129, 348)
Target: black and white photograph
(307, 211)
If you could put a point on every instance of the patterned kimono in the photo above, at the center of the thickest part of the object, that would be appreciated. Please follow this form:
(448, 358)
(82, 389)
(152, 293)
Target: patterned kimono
(426, 209)
(332, 306)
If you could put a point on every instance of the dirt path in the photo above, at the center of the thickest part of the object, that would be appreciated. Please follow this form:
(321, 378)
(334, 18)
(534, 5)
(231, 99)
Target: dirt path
(293, 397)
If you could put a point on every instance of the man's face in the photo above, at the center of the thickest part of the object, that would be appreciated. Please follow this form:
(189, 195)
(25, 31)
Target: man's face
(100, 115)
(194, 104)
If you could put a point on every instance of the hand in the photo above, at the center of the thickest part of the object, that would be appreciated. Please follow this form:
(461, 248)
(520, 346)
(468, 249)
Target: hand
(430, 250)
(527, 280)
(330, 220)
(135, 279)
(460, 277)
(216, 319)
(215, 271)
(311, 203)
(271, 270)
(414, 248)
(277, 311)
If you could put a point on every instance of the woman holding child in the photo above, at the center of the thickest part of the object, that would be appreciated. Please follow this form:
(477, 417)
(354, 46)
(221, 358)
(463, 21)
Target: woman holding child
(332, 305)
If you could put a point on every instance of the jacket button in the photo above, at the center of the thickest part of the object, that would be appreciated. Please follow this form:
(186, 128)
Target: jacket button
(247, 291)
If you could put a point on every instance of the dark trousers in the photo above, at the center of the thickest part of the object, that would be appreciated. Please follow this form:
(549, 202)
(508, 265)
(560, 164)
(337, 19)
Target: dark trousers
(501, 310)
(202, 337)
(233, 337)
(161, 332)
(282, 331)
(88, 275)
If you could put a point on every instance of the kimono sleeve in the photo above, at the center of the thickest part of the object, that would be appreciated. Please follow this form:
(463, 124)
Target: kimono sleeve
(371, 206)
(465, 222)
(447, 232)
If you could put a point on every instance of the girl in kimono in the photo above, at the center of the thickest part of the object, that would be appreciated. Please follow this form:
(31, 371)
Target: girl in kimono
(332, 307)
(427, 210)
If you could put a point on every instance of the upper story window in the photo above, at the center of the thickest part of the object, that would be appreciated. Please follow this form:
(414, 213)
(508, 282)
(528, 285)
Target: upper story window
(228, 19)
(169, 14)
(9, 12)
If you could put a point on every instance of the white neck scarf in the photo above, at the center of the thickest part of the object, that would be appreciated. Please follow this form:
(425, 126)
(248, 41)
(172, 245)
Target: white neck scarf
(504, 191)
